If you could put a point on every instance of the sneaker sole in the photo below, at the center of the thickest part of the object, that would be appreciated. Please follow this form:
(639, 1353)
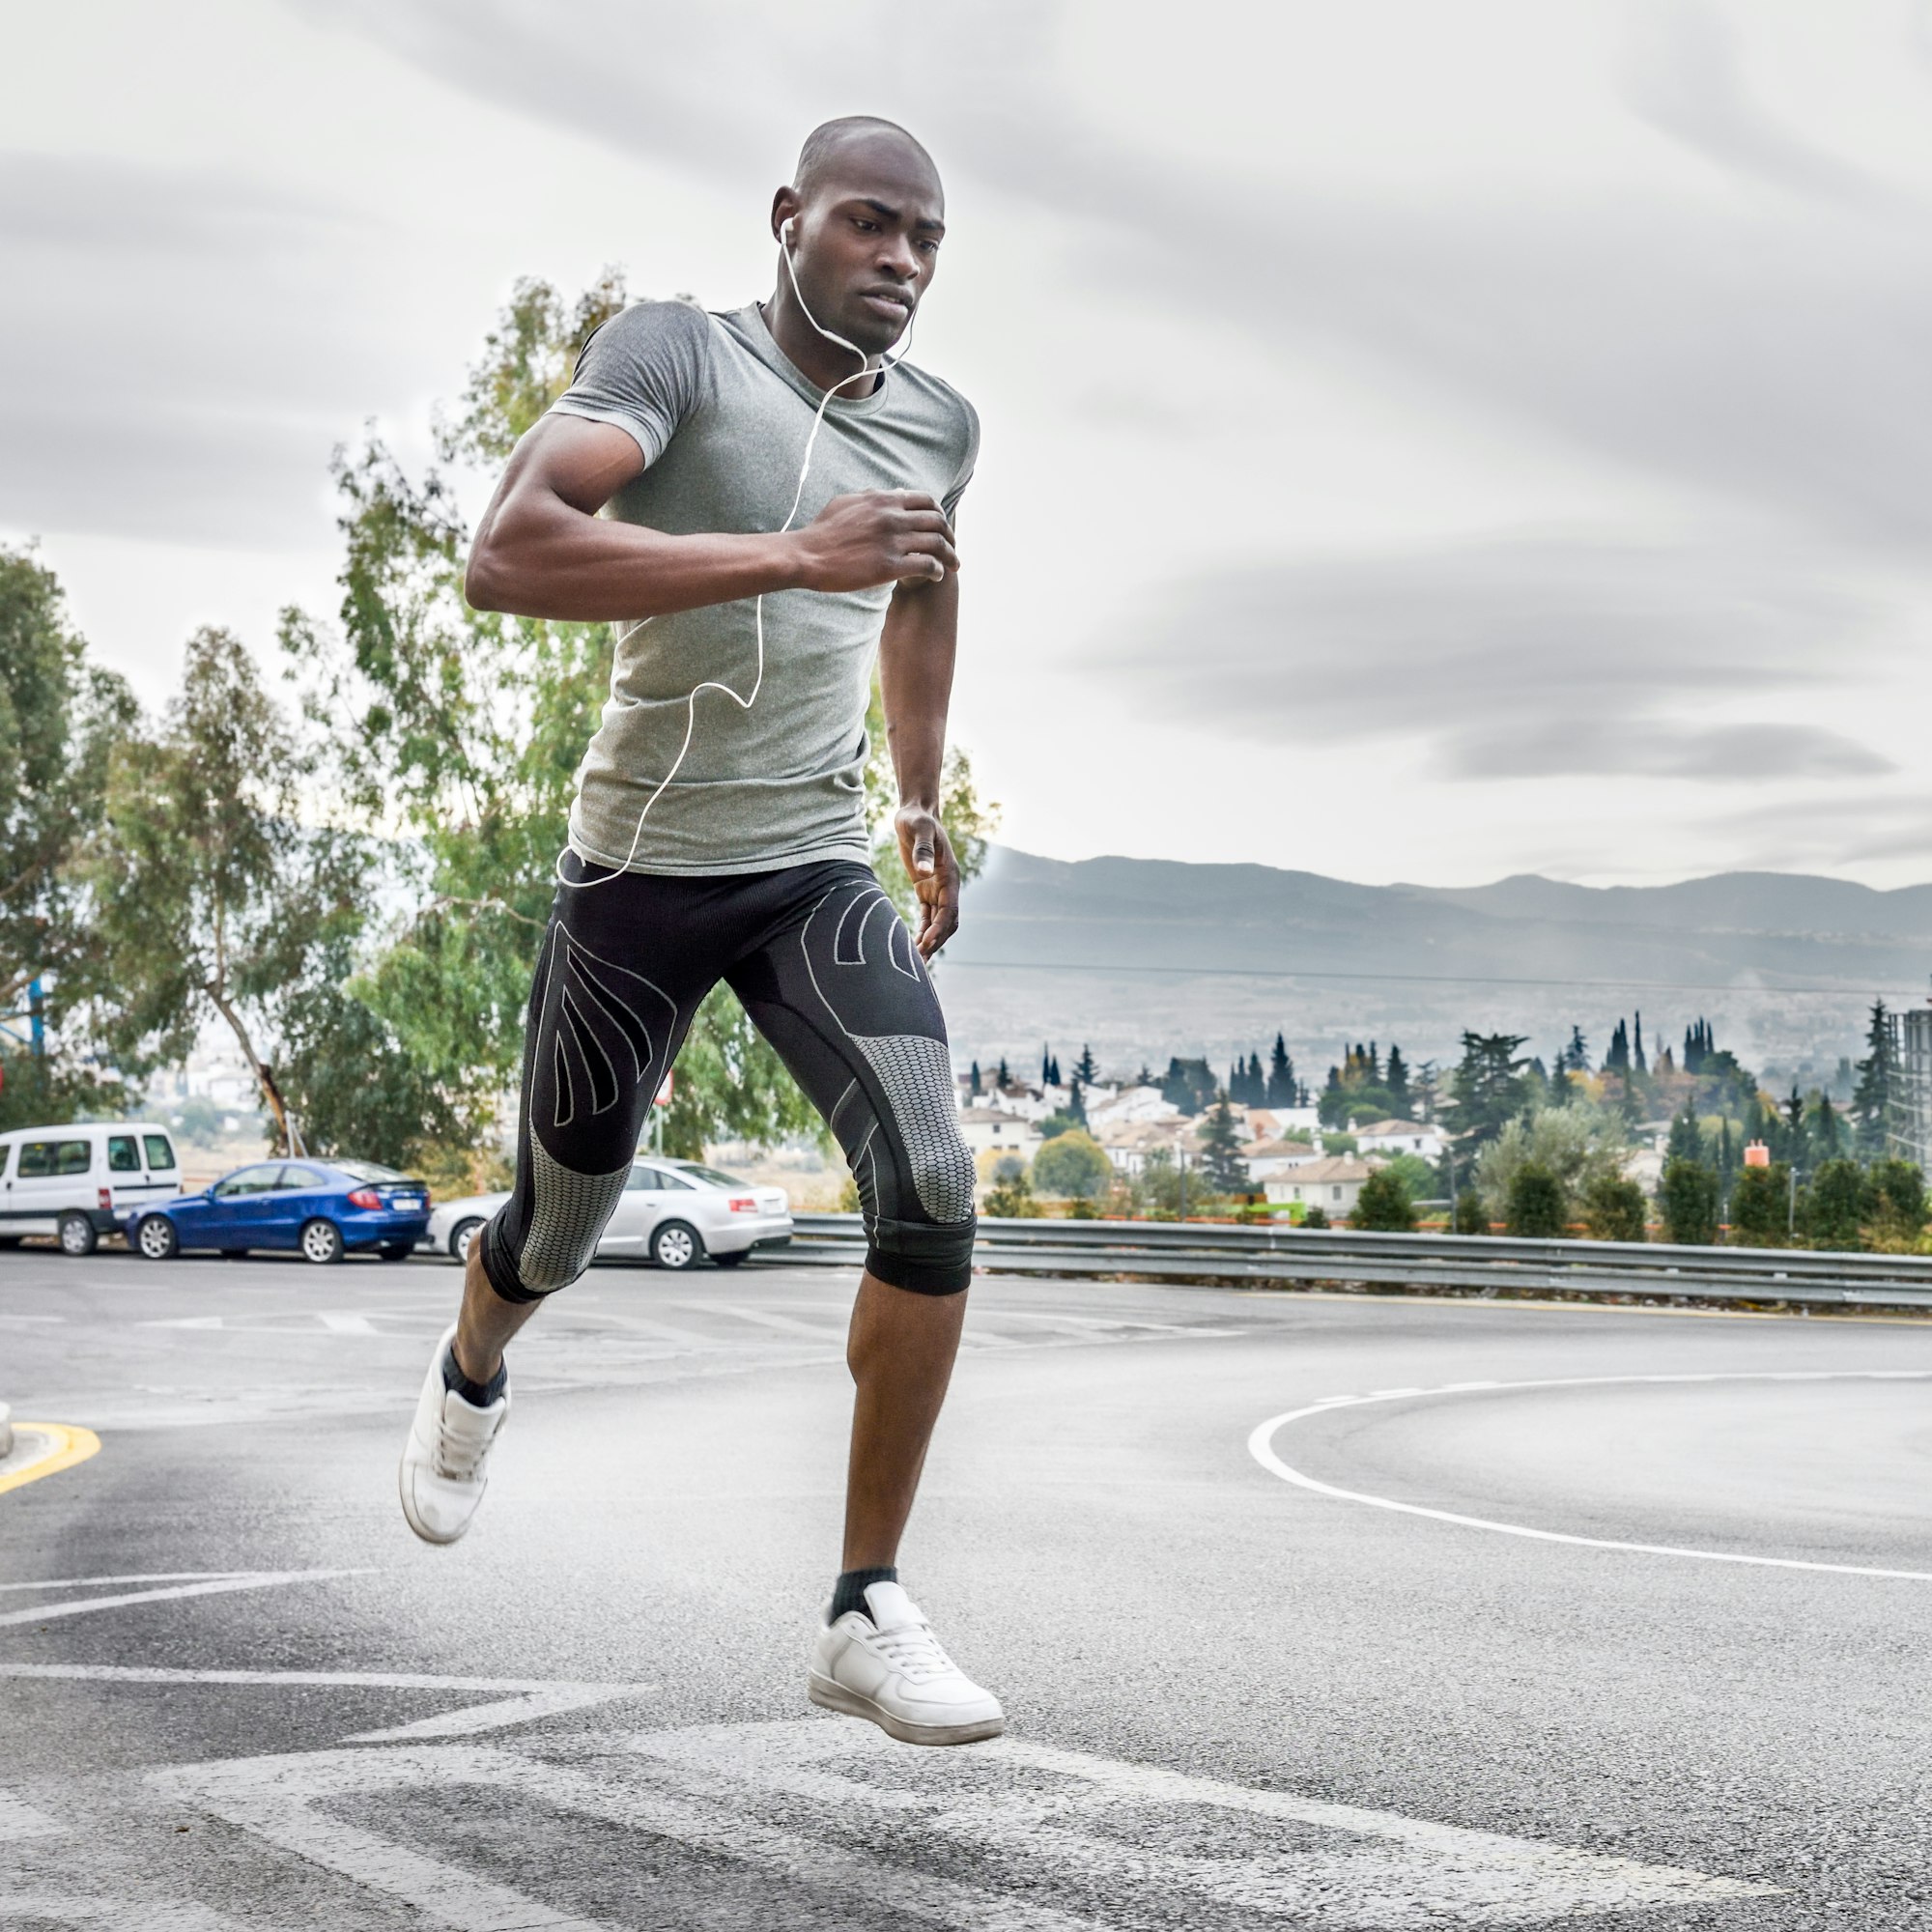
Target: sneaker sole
(830, 1696)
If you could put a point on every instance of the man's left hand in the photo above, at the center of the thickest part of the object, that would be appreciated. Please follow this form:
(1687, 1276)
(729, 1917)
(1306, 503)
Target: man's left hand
(934, 874)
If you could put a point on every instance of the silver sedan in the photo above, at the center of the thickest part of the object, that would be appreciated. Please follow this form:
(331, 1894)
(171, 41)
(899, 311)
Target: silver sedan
(671, 1212)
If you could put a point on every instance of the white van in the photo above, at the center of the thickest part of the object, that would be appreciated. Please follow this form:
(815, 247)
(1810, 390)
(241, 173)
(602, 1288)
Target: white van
(77, 1182)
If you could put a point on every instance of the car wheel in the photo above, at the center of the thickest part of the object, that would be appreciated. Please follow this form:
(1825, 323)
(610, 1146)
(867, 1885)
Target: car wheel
(460, 1238)
(321, 1241)
(675, 1245)
(76, 1236)
(396, 1251)
(156, 1239)
(730, 1261)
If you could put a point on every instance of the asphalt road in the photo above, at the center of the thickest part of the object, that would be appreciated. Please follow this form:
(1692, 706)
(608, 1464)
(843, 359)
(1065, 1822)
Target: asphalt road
(1440, 1656)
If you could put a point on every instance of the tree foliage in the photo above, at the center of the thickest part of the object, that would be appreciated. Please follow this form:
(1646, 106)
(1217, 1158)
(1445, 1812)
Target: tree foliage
(1490, 1091)
(211, 898)
(1072, 1166)
(1222, 1167)
(60, 720)
(1687, 1195)
(1614, 1209)
(1761, 1207)
(1536, 1207)
(1384, 1205)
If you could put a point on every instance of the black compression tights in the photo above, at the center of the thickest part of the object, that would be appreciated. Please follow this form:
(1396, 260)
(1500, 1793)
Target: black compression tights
(828, 974)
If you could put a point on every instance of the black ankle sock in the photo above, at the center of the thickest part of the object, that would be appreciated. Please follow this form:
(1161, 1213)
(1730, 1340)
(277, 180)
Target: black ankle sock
(479, 1395)
(849, 1592)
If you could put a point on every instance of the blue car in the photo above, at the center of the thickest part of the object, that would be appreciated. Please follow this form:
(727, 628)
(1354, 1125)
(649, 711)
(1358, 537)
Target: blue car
(322, 1210)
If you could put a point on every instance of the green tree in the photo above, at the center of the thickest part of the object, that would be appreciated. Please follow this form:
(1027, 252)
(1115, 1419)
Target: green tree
(1536, 1207)
(1384, 1205)
(1415, 1175)
(1010, 1195)
(1687, 1195)
(1470, 1216)
(1489, 1088)
(1084, 1072)
(61, 718)
(1281, 1081)
(1761, 1206)
(211, 898)
(1894, 1206)
(1834, 1207)
(1314, 1217)
(1614, 1209)
(1579, 1144)
(1687, 1137)
(1072, 1166)
(1876, 1096)
(1222, 1167)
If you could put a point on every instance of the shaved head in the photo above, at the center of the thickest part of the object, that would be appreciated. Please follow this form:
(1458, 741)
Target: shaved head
(831, 141)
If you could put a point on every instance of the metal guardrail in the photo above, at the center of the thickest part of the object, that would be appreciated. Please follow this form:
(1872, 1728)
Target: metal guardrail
(1196, 1251)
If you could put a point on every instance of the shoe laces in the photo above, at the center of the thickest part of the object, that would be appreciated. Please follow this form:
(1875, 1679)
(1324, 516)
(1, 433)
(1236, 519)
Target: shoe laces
(914, 1652)
(460, 1448)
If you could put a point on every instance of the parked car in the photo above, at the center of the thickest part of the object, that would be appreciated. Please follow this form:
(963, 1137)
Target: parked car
(78, 1181)
(323, 1209)
(672, 1213)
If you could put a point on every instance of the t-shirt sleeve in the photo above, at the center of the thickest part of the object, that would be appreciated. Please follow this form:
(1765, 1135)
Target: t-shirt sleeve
(969, 456)
(643, 370)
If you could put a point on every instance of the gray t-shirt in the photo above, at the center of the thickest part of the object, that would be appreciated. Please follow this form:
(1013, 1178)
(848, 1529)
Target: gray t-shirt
(721, 415)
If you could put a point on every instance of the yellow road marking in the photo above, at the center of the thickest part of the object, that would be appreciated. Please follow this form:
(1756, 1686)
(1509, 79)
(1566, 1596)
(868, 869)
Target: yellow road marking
(72, 1445)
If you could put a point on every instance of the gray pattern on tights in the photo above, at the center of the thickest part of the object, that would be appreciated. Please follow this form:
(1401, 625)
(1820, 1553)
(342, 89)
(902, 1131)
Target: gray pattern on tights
(917, 1076)
(572, 1211)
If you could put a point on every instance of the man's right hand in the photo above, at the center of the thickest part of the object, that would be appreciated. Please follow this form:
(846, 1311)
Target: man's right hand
(878, 536)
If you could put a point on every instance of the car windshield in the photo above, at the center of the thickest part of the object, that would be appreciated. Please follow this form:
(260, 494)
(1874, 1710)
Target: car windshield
(716, 1176)
(368, 1170)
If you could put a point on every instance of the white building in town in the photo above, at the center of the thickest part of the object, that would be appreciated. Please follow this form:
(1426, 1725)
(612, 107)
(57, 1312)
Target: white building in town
(1333, 1183)
(1393, 1137)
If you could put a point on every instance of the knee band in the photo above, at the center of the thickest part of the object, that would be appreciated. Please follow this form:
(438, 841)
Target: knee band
(923, 1257)
(567, 1218)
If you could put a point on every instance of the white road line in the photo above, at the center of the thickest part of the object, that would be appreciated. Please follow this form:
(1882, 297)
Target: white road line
(149, 1576)
(259, 1580)
(20, 1820)
(277, 1798)
(346, 1322)
(1261, 1446)
(1068, 1813)
(789, 1323)
(526, 1699)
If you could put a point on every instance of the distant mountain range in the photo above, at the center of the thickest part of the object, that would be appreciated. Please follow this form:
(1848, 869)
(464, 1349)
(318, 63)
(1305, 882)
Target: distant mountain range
(1146, 957)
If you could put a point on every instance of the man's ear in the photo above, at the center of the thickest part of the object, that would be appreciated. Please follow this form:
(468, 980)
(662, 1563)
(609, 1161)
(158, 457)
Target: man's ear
(786, 208)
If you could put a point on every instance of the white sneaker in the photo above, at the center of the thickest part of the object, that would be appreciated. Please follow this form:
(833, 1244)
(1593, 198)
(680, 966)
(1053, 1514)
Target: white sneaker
(442, 1477)
(888, 1667)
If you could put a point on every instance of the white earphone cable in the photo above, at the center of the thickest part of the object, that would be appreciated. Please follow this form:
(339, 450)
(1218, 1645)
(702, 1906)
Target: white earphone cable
(744, 701)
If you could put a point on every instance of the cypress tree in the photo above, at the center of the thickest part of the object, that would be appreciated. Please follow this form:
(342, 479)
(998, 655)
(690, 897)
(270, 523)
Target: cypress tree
(1578, 1051)
(1084, 1070)
(1054, 1076)
(1877, 1093)
(1221, 1164)
(1046, 1078)
(1281, 1089)
(1006, 1079)
(978, 1089)
(1395, 1080)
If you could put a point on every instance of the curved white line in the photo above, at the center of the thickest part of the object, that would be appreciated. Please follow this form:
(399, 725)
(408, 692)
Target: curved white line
(1261, 1446)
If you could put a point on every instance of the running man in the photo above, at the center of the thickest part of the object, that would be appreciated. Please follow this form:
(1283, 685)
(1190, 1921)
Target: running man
(722, 836)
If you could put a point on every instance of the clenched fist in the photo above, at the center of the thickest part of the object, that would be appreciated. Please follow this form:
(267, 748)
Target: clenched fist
(878, 536)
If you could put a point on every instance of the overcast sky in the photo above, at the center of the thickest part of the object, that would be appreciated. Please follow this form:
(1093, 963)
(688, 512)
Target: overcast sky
(1422, 441)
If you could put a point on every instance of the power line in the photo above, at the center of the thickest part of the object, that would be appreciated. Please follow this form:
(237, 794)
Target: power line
(1415, 978)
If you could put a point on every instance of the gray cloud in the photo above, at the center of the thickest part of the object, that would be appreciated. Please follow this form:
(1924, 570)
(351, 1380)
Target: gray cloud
(1685, 78)
(1771, 359)
(192, 359)
(1513, 658)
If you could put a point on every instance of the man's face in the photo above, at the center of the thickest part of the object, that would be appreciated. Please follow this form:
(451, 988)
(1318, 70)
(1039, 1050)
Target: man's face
(865, 239)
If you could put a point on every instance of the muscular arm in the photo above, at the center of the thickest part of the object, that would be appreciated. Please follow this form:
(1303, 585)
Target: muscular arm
(916, 654)
(542, 550)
